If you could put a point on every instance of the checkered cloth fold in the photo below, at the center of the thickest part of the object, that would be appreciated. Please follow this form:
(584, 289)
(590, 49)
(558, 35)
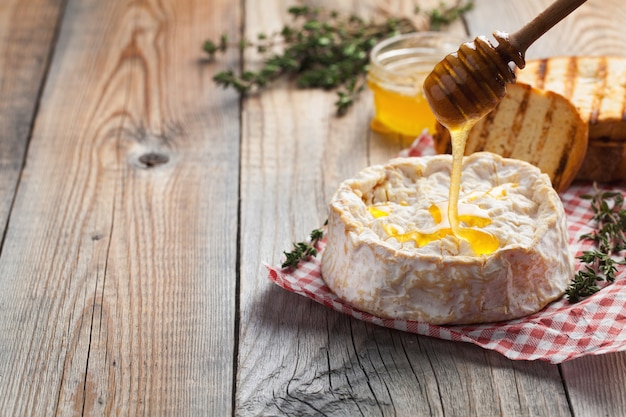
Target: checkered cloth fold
(560, 332)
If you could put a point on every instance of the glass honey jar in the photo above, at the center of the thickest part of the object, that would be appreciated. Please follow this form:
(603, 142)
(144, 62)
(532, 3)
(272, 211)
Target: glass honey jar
(398, 68)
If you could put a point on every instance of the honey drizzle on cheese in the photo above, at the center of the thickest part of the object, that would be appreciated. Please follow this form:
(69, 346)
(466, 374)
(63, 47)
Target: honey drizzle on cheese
(472, 217)
(483, 243)
(419, 238)
(377, 212)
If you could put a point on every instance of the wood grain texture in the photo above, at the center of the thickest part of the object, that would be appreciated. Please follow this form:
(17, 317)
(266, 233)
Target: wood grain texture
(589, 30)
(27, 33)
(298, 358)
(595, 385)
(118, 276)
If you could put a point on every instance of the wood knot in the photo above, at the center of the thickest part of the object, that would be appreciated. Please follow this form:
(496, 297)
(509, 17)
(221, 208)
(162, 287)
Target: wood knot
(152, 159)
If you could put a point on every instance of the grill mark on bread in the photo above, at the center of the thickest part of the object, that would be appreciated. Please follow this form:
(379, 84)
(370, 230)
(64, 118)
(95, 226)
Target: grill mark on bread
(596, 100)
(536, 149)
(564, 162)
(571, 78)
(540, 74)
(518, 121)
(483, 137)
(557, 177)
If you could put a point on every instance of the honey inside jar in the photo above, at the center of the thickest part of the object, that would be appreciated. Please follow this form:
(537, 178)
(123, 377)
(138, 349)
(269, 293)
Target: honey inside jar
(399, 113)
(398, 68)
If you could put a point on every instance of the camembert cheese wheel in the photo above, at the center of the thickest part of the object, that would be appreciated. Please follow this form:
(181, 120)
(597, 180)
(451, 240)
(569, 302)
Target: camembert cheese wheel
(389, 251)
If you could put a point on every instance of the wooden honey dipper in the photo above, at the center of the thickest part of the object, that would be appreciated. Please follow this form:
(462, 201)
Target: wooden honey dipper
(468, 84)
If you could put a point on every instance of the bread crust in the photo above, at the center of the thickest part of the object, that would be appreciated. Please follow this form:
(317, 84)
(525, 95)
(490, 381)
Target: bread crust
(434, 284)
(596, 85)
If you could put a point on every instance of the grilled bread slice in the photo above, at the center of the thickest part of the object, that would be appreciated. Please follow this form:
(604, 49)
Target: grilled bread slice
(597, 87)
(536, 126)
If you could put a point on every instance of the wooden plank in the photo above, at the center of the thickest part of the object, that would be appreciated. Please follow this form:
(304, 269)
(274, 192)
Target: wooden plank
(27, 31)
(284, 150)
(118, 274)
(297, 357)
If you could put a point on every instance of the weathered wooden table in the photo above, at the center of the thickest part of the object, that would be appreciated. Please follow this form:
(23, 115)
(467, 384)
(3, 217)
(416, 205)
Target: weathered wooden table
(138, 202)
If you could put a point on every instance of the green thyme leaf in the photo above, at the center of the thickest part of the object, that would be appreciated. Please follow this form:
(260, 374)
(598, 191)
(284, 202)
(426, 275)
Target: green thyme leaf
(322, 49)
(445, 14)
(303, 250)
(609, 239)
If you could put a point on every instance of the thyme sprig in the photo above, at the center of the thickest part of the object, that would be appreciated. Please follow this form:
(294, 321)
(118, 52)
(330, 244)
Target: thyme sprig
(302, 250)
(322, 49)
(609, 239)
(444, 15)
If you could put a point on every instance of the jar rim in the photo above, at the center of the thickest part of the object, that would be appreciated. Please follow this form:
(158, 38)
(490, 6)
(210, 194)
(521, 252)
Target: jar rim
(439, 40)
(402, 62)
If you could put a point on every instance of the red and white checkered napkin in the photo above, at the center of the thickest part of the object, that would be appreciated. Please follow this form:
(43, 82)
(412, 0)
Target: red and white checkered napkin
(560, 332)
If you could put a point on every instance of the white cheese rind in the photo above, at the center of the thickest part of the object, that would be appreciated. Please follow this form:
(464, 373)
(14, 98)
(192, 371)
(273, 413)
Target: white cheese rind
(443, 282)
